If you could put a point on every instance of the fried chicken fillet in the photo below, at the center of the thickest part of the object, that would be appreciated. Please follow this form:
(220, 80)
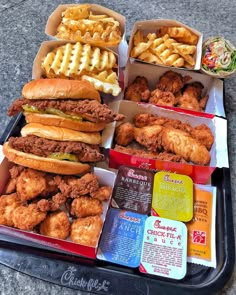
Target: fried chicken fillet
(56, 225)
(138, 90)
(162, 98)
(124, 134)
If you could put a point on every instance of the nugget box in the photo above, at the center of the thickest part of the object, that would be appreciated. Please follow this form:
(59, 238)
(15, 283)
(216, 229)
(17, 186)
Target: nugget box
(199, 174)
(213, 87)
(105, 178)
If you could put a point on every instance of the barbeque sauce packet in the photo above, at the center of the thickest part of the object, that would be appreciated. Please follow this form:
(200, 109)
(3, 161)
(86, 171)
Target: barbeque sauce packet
(122, 238)
(164, 249)
(201, 229)
(133, 190)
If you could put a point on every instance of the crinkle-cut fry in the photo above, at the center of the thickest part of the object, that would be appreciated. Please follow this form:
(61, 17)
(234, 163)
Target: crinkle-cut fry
(75, 59)
(150, 57)
(180, 34)
(107, 87)
(77, 12)
(138, 38)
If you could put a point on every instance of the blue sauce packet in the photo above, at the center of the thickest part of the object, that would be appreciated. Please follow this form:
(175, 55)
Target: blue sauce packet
(122, 237)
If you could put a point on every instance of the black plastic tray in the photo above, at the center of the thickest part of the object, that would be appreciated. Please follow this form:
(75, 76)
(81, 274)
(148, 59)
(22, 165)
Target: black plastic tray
(104, 278)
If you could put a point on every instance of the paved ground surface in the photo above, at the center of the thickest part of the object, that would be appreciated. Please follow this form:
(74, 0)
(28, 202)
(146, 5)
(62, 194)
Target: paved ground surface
(22, 24)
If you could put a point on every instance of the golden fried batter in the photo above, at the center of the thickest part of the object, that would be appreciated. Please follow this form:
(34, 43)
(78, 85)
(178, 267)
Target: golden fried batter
(10, 187)
(8, 203)
(86, 231)
(138, 90)
(148, 137)
(102, 194)
(27, 217)
(162, 98)
(181, 143)
(124, 134)
(86, 206)
(30, 184)
(56, 225)
(172, 81)
(204, 135)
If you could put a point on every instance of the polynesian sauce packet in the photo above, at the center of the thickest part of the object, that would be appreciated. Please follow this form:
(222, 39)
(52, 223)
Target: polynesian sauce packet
(201, 229)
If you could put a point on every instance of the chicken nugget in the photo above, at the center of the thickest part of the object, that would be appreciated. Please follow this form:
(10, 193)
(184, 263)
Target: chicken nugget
(102, 194)
(56, 225)
(30, 184)
(86, 231)
(27, 217)
(8, 203)
(124, 134)
(86, 206)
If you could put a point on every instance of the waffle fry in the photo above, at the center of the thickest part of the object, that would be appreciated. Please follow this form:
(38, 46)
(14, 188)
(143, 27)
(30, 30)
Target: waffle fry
(83, 61)
(80, 24)
(180, 34)
(163, 49)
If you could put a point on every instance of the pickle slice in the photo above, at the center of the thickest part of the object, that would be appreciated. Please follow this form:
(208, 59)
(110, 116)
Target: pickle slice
(64, 156)
(52, 111)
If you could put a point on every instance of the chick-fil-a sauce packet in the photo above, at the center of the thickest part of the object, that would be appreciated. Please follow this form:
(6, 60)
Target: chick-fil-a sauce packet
(201, 229)
(133, 190)
(172, 196)
(164, 249)
(122, 237)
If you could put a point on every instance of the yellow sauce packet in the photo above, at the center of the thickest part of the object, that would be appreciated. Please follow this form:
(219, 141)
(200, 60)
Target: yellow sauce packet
(172, 196)
(201, 229)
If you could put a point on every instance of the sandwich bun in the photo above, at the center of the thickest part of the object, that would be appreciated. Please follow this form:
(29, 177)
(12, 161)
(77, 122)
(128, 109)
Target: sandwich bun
(60, 133)
(44, 164)
(60, 89)
(54, 120)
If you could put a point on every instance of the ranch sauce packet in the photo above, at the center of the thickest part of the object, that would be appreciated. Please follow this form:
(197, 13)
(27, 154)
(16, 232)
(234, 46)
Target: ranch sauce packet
(122, 237)
(172, 196)
(133, 190)
(164, 249)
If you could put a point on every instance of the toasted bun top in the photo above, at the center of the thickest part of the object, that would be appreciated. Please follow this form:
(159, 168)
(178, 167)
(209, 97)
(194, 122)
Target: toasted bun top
(60, 133)
(44, 164)
(60, 89)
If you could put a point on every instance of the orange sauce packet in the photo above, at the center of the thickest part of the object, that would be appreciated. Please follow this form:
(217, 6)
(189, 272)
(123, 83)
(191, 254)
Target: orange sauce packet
(201, 229)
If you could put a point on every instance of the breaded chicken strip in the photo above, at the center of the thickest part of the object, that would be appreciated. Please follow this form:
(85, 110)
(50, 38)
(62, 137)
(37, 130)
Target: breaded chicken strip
(148, 137)
(8, 203)
(181, 143)
(56, 225)
(27, 217)
(204, 135)
(86, 231)
(86, 206)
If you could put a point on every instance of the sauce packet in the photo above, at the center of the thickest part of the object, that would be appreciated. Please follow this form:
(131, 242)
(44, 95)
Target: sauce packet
(133, 190)
(172, 196)
(122, 236)
(201, 229)
(164, 249)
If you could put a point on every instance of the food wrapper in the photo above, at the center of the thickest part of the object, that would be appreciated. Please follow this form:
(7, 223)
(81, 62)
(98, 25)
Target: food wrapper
(151, 26)
(218, 57)
(201, 230)
(105, 177)
(199, 174)
(212, 86)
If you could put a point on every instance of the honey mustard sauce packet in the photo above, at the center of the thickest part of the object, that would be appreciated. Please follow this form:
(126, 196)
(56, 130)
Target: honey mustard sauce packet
(201, 229)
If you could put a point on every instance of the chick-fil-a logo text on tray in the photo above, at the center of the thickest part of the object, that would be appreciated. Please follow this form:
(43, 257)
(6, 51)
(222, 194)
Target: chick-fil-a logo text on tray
(157, 224)
(69, 278)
